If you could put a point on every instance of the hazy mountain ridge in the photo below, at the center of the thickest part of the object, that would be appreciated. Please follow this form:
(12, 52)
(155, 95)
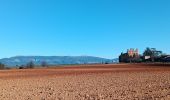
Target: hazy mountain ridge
(55, 60)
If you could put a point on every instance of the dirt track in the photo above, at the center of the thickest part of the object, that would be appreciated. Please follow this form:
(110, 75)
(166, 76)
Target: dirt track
(92, 82)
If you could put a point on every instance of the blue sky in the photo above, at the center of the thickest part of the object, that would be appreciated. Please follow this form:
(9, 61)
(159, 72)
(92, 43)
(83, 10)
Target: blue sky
(101, 28)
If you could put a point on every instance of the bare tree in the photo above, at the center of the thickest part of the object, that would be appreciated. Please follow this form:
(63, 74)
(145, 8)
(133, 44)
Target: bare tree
(44, 64)
(2, 66)
(30, 64)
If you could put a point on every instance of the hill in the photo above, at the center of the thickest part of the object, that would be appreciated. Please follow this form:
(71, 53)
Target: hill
(55, 60)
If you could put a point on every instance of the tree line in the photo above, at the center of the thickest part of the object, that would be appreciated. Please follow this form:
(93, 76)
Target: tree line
(29, 65)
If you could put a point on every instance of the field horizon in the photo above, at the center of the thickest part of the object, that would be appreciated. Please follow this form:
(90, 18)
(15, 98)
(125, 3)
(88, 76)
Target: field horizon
(87, 82)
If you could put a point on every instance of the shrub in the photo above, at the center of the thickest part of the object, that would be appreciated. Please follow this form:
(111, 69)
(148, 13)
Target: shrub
(21, 67)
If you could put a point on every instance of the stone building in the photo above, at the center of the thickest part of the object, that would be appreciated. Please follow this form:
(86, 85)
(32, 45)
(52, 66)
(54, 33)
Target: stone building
(132, 55)
(132, 52)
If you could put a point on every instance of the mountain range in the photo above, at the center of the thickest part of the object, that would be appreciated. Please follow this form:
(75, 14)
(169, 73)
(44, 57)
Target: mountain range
(55, 60)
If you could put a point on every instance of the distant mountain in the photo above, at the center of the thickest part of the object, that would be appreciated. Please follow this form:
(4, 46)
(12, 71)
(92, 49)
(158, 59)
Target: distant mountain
(55, 60)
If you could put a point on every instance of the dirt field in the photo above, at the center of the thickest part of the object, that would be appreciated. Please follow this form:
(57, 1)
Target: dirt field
(87, 82)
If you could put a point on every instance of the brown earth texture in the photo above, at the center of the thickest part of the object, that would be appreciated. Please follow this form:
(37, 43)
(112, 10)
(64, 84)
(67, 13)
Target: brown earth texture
(87, 82)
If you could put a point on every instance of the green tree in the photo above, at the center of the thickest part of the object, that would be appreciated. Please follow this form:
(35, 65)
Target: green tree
(148, 52)
(153, 53)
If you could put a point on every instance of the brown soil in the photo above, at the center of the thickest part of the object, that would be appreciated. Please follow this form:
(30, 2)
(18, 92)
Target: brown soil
(87, 82)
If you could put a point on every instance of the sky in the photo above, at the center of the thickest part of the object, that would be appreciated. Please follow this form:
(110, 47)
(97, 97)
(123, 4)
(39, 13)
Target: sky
(102, 28)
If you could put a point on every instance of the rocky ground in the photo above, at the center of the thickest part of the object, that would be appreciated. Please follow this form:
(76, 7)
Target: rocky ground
(99, 82)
